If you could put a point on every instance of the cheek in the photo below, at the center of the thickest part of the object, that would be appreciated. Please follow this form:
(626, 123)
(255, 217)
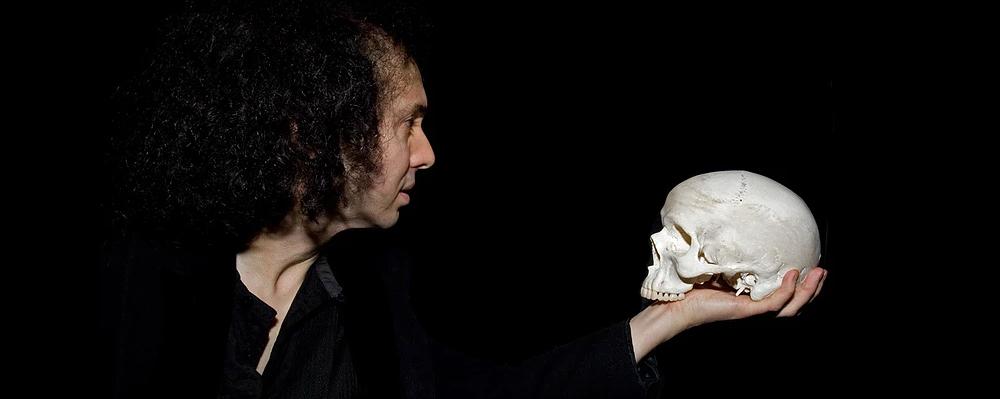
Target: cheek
(398, 157)
(395, 164)
(391, 152)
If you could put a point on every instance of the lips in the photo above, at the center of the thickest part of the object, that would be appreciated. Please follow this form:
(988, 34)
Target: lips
(404, 193)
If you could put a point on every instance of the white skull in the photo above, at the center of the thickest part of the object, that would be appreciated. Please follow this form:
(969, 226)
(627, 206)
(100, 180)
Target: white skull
(747, 228)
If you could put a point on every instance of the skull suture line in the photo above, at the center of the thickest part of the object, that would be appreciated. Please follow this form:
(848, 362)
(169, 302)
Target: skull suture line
(747, 228)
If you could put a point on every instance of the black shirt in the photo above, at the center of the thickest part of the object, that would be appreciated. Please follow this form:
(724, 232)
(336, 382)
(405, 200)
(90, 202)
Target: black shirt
(176, 330)
(310, 359)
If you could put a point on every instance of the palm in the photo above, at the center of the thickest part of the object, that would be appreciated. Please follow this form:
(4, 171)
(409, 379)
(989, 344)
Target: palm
(713, 302)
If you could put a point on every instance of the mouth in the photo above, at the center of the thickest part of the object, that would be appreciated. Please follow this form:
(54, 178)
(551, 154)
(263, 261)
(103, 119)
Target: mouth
(405, 194)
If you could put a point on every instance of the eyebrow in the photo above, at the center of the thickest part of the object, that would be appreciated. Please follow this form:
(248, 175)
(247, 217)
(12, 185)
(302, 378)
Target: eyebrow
(417, 111)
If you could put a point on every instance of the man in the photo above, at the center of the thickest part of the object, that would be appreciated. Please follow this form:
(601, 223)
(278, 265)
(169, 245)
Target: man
(262, 133)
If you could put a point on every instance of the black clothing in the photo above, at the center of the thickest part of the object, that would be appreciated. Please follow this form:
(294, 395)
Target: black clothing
(311, 358)
(181, 324)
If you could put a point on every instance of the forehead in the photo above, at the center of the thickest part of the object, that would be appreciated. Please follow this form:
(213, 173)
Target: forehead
(409, 87)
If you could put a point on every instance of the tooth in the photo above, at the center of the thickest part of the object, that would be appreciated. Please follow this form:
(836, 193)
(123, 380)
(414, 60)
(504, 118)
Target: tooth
(680, 296)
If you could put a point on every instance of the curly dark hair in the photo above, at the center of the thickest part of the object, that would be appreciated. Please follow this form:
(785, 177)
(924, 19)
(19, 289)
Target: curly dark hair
(250, 109)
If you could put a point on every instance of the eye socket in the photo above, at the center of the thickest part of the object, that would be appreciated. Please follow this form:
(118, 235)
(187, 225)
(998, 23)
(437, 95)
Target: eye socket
(411, 123)
(677, 240)
(684, 234)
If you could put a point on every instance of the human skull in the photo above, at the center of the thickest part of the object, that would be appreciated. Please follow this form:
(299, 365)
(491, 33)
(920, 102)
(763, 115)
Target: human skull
(747, 228)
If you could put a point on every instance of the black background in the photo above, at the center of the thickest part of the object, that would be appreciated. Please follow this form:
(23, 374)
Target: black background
(558, 133)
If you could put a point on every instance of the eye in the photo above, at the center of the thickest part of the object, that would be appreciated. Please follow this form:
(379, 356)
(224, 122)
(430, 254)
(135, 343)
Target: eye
(414, 123)
(407, 126)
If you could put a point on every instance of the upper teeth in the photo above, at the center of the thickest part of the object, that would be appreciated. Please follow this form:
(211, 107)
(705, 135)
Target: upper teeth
(660, 296)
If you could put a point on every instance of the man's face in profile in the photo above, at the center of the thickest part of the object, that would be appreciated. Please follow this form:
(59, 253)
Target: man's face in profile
(405, 148)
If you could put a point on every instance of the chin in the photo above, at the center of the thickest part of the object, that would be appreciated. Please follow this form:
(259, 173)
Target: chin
(388, 221)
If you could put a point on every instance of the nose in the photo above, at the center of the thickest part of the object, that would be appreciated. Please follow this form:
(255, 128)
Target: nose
(421, 153)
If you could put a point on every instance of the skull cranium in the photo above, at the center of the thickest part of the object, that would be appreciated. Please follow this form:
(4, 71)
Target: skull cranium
(744, 227)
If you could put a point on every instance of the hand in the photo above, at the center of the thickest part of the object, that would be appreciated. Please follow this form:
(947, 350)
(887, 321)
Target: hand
(712, 302)
(707, 303)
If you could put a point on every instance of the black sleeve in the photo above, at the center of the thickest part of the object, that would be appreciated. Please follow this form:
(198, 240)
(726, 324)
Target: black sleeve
(599, 365)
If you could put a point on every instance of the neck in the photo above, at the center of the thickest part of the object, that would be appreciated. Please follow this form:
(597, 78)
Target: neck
(275, 263)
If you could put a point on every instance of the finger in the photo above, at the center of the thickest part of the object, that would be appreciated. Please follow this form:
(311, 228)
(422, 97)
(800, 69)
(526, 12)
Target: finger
(803, 293)
(820, 288)
(780, 297)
